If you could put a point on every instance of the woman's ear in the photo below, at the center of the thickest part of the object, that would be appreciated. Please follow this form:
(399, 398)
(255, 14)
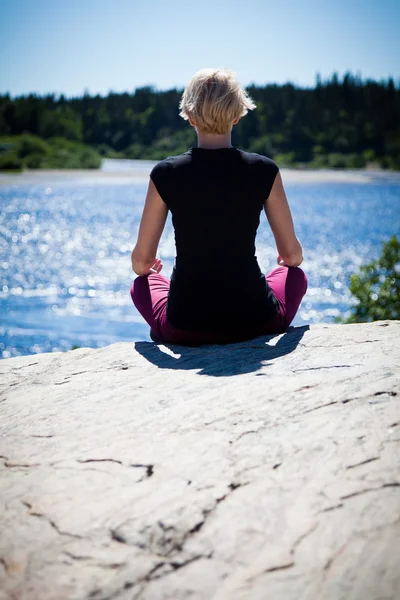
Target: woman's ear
(236, 121)
(193, 124)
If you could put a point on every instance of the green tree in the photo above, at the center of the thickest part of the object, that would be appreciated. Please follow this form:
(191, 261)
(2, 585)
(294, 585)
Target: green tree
(9, 161)
(340, 123)
(377, 287)
(62, 122)
(31, 144)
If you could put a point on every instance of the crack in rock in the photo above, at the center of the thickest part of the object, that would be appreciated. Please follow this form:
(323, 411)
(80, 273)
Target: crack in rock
(318, 407)
(127, 585)
(290, 562)
(326, 367)
(68, 377)
(149, 469)
(76, 556)
(363, 462)
(337, 554)
(94, 460)
(158, 571)
(287, 565)
(3, 562)
(169, 567)
(166, 541)
(24, 366)
(251, 431)
(117, 537)
(347, 400)
(116, 565)
(306, 387)
(52, 523)
(207, 512)
(371, 489)
(338, 345)
(12, 465)
(166, 568)
(333, 507)
(303, 536)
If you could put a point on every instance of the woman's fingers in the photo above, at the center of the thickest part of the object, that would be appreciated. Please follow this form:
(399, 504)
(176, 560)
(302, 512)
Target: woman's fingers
(158, 265)
(156, 268)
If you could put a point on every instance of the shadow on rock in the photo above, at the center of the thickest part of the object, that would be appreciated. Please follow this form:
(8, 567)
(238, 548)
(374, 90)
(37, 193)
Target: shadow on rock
(223, 360)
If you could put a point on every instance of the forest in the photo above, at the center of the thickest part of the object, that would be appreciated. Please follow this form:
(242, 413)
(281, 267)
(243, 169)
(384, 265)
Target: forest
(343, 122)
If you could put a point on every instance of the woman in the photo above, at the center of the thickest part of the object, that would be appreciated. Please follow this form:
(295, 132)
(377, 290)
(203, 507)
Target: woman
(215, 193)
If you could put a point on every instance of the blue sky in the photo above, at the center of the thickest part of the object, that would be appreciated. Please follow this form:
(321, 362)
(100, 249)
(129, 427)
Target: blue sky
(68, 46)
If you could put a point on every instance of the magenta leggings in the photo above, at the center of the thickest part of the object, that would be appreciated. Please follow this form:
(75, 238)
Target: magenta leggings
(150, 293)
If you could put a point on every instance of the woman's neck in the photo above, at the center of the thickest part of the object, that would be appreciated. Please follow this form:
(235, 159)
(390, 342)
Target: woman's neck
(213, 141)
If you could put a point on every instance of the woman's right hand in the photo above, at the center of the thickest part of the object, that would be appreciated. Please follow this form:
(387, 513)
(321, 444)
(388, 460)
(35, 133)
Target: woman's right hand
(142, 268)
(280, 261)
(295, 262)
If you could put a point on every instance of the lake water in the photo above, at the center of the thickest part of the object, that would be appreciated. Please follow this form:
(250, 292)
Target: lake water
(65, 245)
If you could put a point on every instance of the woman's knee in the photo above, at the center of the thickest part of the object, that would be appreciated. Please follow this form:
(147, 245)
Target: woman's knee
(299, 278)
(139, 290)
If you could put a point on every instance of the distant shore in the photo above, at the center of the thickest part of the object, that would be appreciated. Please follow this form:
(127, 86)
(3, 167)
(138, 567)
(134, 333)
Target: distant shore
(137, 170)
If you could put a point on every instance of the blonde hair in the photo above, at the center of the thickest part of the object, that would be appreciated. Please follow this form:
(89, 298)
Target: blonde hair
(213, 99)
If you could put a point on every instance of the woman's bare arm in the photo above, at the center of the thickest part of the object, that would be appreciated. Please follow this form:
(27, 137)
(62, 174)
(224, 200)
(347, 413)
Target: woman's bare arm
(278, 213)
(151, 227)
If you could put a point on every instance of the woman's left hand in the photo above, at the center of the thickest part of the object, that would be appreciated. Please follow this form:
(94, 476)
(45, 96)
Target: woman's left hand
(157, 267)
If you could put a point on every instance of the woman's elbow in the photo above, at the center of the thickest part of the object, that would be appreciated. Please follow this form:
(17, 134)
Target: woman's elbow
(293, 258)
(139, 266)
(139, 270)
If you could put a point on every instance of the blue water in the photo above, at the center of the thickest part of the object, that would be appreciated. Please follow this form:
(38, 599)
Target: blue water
(65, 255)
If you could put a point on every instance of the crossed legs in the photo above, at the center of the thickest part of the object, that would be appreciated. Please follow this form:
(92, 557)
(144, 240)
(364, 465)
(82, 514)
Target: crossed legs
(150, 293)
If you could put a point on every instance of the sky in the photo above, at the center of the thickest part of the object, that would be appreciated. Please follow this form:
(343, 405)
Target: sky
(73, 46)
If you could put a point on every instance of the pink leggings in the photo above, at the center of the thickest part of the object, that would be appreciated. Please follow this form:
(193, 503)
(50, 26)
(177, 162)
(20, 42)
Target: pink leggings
(150, 292)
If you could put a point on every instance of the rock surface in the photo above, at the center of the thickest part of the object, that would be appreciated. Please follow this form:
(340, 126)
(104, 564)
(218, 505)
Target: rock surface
(262, 470)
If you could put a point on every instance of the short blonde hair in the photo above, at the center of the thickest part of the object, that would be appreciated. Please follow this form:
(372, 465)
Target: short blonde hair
(213, 99)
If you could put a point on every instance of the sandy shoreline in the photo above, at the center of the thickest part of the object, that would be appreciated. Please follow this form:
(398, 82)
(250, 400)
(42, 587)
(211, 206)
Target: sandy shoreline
(141, 173)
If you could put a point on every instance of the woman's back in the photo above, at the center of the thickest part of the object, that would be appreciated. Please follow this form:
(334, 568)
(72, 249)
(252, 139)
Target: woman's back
(215, 198)
(215, 194)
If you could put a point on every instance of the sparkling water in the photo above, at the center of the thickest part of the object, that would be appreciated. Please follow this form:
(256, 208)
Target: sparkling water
(65, 246)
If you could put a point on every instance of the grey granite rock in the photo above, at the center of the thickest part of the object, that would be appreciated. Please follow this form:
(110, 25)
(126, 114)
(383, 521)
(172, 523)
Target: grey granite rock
(262, 470)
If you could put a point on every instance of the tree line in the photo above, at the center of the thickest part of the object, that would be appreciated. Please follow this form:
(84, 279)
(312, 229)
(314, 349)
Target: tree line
(340, 122)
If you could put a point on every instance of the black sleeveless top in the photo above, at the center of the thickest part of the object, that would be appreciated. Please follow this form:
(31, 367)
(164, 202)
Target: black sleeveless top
(215, 198)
